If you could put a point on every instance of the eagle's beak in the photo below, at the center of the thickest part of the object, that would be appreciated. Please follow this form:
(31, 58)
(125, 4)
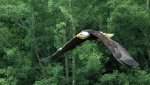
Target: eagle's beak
(78, 35)
(108, 35)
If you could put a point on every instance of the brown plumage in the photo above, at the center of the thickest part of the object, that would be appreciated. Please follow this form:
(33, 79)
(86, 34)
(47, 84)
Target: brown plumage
(120, 54)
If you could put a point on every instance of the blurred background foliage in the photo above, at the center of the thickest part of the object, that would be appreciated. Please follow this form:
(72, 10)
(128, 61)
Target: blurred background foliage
(33, 29)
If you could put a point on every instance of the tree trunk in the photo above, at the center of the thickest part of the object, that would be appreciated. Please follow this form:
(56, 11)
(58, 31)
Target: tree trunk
(73, 61)
(147, 4)
(67, 70)
(67, 35)
(73, 70)
(148, 49)
(72, 31)
(35, 47)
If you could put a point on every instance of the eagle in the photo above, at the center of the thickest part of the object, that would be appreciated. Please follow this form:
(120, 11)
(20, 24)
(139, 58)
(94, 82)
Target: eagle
(119, 52)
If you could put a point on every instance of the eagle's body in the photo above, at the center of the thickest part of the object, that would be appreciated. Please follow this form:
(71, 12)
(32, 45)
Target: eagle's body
(117, 50)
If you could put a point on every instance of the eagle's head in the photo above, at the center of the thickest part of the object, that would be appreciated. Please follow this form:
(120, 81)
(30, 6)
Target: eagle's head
(83, 35)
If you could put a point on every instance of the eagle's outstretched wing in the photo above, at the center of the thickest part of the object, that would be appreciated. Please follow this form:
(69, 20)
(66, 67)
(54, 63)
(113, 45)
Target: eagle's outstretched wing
(122, 55)
(68, 46)
(117, 50)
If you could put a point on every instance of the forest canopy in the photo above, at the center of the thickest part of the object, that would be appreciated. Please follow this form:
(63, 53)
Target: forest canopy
(31, 30)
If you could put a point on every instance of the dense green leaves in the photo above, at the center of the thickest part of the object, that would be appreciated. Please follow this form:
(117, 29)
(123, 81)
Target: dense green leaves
(34, 29)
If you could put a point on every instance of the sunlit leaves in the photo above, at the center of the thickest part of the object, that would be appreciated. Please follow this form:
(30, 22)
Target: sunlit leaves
(56, 21)
(54, 76)
(89, 60)
(139, 77)
(13, 11)
(7, 76)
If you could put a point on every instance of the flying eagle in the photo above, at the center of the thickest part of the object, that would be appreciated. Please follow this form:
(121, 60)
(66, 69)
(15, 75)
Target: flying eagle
(120, 54)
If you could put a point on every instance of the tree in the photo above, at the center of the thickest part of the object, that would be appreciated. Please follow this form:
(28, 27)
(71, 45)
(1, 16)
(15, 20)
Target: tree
(34, 29)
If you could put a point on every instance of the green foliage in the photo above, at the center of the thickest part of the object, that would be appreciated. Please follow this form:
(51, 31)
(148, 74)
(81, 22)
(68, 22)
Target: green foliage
(34, 29)
(88, 63)
(139, 77)
(54, 76)
(8, 76)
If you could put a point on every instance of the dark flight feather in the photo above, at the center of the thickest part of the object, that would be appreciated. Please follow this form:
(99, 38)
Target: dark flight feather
(68, 46)
(122, 55)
